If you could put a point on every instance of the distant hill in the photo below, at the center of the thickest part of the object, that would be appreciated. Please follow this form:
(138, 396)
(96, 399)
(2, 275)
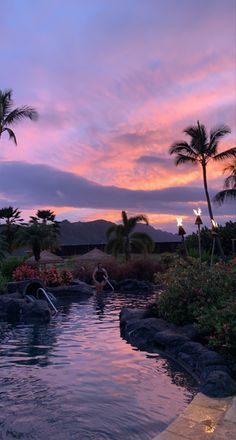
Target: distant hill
(94, 232)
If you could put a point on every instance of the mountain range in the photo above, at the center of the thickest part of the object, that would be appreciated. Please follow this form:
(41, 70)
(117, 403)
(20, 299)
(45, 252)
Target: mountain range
(94, 232)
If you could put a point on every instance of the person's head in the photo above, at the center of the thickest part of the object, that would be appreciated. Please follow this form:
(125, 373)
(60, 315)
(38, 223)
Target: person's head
(99, 265)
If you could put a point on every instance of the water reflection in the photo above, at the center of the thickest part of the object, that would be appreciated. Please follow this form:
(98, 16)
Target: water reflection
(76, 378)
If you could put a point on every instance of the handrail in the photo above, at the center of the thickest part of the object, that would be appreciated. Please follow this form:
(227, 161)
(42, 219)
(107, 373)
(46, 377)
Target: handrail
(40, 289)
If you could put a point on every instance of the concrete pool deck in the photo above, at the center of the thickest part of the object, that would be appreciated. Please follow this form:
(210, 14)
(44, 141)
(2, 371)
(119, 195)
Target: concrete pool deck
(204, 418)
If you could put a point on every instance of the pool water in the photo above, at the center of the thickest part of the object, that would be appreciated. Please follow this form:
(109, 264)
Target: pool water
(77, 379)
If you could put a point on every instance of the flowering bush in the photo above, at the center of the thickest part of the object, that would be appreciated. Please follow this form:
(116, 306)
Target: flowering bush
(66, 277)
(25, 272)
(195, 293)
(51, 277)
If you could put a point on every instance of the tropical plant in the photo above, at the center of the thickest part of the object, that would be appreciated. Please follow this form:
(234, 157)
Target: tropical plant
(39, 237)
(8, 265)
(10, 116)
(44, 216)
(121, 237)
(226, 234)
(3, 246)
(202, 149)
(13, 220)
(229, 193)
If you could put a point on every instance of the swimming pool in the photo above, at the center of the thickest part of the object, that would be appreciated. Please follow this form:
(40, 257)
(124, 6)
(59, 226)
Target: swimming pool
(77, 379)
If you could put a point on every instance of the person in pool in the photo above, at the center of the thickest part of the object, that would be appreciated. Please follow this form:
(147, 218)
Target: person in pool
(100, 276)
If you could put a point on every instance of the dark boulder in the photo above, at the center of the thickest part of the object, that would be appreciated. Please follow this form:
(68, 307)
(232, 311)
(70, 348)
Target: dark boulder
(15, 308)
(218, 383)
(132, 285)
(78, 288)
(35, 311)
(209, 367)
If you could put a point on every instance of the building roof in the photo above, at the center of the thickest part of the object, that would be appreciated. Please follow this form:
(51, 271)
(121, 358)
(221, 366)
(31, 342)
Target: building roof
(46, 257)
(95, 255)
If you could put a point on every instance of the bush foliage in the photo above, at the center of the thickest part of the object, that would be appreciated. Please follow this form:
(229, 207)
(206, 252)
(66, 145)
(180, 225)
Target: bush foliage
(195, 293)
(51, 277)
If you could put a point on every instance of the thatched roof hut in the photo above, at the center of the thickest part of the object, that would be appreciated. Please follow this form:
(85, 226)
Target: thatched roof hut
(46, 257)
(94, 256)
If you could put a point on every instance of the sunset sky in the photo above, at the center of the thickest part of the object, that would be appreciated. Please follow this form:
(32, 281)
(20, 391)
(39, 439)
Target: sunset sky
(115, 83)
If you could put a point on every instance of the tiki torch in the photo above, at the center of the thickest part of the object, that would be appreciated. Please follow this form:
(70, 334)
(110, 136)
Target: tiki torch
(198, 222)
(181, 232)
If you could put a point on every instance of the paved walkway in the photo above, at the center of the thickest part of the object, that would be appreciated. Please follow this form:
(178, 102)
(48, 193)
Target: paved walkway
(204, 418)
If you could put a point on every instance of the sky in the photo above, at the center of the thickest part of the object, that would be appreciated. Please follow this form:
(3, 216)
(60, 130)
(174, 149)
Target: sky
(115, 83)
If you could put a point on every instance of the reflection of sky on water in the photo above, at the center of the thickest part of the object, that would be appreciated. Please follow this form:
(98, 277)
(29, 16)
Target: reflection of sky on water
(93, 384)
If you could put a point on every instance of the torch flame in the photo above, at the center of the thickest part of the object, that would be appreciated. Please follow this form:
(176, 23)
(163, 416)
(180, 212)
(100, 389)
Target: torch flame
(179, 221)
(197, 212)
(214, 223)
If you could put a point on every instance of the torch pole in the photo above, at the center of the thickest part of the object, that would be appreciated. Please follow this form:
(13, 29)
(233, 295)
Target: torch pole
(199, 242)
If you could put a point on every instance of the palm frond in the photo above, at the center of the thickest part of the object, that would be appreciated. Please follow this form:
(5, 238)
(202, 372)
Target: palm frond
(21, 113)
(215, 135)
(179, 146)
(111, 230)
(230, 181)
(145, 238)
(182, 158)
(11, 134)
(6, 103)
(225, 195)
(227, 154)
(137, 219)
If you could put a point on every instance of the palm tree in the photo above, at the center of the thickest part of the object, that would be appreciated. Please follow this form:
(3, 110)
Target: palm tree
(125, 237)
(229, 193)
(13, 221)
(10, 116)
(39, 237)
(46, 215)
(202, 149)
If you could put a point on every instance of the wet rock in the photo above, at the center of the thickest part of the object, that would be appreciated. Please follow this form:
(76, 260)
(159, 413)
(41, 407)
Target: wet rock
(78, 288)
(218, 384)
(35, 311)
(209, 367)
(127, 314)
(14, 308)
(136, 286)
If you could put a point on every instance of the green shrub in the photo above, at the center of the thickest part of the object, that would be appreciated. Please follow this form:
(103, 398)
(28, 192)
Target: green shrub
(196, 293)
(189, 287)
(219, 321)
(8, 266)
(3, 284)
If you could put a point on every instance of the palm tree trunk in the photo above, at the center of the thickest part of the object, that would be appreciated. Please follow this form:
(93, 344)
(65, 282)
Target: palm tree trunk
(127, 248)
(218, 242)
(206, 192)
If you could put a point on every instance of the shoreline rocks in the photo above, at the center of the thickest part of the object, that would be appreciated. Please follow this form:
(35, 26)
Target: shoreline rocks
(14, 308)
(181, 344)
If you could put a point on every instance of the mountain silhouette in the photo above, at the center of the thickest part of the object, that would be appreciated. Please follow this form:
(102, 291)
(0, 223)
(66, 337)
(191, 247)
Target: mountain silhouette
(95, 232)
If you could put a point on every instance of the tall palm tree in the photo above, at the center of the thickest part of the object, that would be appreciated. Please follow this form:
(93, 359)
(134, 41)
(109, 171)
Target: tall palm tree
(10, 116)
(202, 149)
(49, 228)
(39, 237)
(45, 215)
(12, 218)
(229, 193)
(123, 236)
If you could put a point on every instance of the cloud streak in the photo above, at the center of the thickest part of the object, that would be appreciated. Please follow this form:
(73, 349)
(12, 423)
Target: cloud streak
(115, 83)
